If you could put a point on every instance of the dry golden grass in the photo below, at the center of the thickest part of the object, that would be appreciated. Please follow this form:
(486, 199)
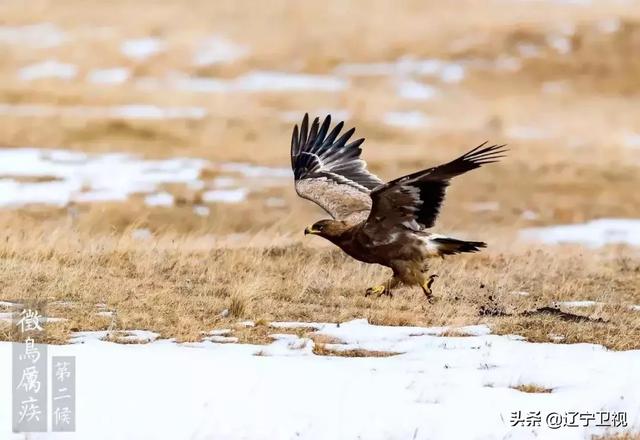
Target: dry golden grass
(323, 350)
(250, 258)
(180, 285)
(532, 388)
(625, 436)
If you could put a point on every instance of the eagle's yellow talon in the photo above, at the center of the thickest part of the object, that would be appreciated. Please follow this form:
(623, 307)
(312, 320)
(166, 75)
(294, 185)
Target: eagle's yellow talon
(377, 290)
(426, 287)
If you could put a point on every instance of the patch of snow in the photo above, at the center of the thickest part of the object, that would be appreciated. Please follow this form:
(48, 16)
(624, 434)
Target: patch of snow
(48, 69)
(567, 28)
(635, 307)
(452, 73)
(561, 44)
(561, 2)
(142, 48)
(135, 336)
(528, 50)
(188, 84)
(579, 304)
(595, 233)
(127, 111)
(253, 82)
(105, 313)
(66, 304)
(296, 116)
(483, 206)
(218, 49)
(416, 91)
(527, 132)
(555, 87)
(508, 64)
(291, 324)
(529, 215)
(225, 195)
(286, 345)
(141, 234)
(115, 75)
(556, 338)
(83, 177)
(219, 332)
(368, 69)
(220, 335)
(631, 139)
(27, 110)
(406, 119)
(445, 71)
(247, 324)
(520, 293)
(221, 339)
(412, 395)
(202, 211)
(259, 81)
(255, 171)
(275, 202)
(196, 185)
(609, 25)
(37, 36)
(224, 182)
(160, 199)
(146, 111)
(9, 304)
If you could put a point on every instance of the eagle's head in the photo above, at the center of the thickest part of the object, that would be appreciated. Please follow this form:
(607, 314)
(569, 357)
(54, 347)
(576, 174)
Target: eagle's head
(327, 228)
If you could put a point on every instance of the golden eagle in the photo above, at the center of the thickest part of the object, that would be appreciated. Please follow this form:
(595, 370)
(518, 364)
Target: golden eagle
(373, 221)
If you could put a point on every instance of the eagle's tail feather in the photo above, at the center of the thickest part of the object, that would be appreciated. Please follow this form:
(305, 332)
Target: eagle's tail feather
(450, 246)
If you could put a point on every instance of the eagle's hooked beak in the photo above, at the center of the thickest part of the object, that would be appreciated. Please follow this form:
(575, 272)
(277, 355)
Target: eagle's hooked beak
(310, 230)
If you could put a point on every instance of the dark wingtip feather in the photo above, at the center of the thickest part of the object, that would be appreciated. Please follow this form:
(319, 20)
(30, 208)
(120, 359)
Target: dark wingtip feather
(483, 155)
(324, 128)
(304, 129)
(318, 147)
(355, 144)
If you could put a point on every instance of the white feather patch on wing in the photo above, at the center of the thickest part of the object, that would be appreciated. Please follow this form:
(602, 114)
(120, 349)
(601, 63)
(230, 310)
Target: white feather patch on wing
(341, 200)
(432, 248)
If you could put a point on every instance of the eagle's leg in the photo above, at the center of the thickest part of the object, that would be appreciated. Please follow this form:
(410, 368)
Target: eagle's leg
(426, 286)
(379, 290)
(383, 289)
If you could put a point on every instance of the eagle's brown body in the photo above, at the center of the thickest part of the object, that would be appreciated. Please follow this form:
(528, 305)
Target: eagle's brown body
(404, 254)
(376, 222)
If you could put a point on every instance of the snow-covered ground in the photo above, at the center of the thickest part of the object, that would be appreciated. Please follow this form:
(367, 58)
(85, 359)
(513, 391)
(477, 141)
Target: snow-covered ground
(37, 36)
(251, 82)
(126, 111)
(48, 69)
(407, 119)
(594, 233)
(438, 387)
(142, 48)
(218, 49)
(445, 71)
(58, 177)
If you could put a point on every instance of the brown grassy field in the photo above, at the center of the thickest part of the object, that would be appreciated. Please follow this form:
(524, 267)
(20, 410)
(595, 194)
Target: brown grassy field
(566, 115)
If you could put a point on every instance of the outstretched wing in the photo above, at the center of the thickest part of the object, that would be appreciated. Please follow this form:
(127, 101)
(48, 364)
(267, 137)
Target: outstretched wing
(414, 201)
(328, 170)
